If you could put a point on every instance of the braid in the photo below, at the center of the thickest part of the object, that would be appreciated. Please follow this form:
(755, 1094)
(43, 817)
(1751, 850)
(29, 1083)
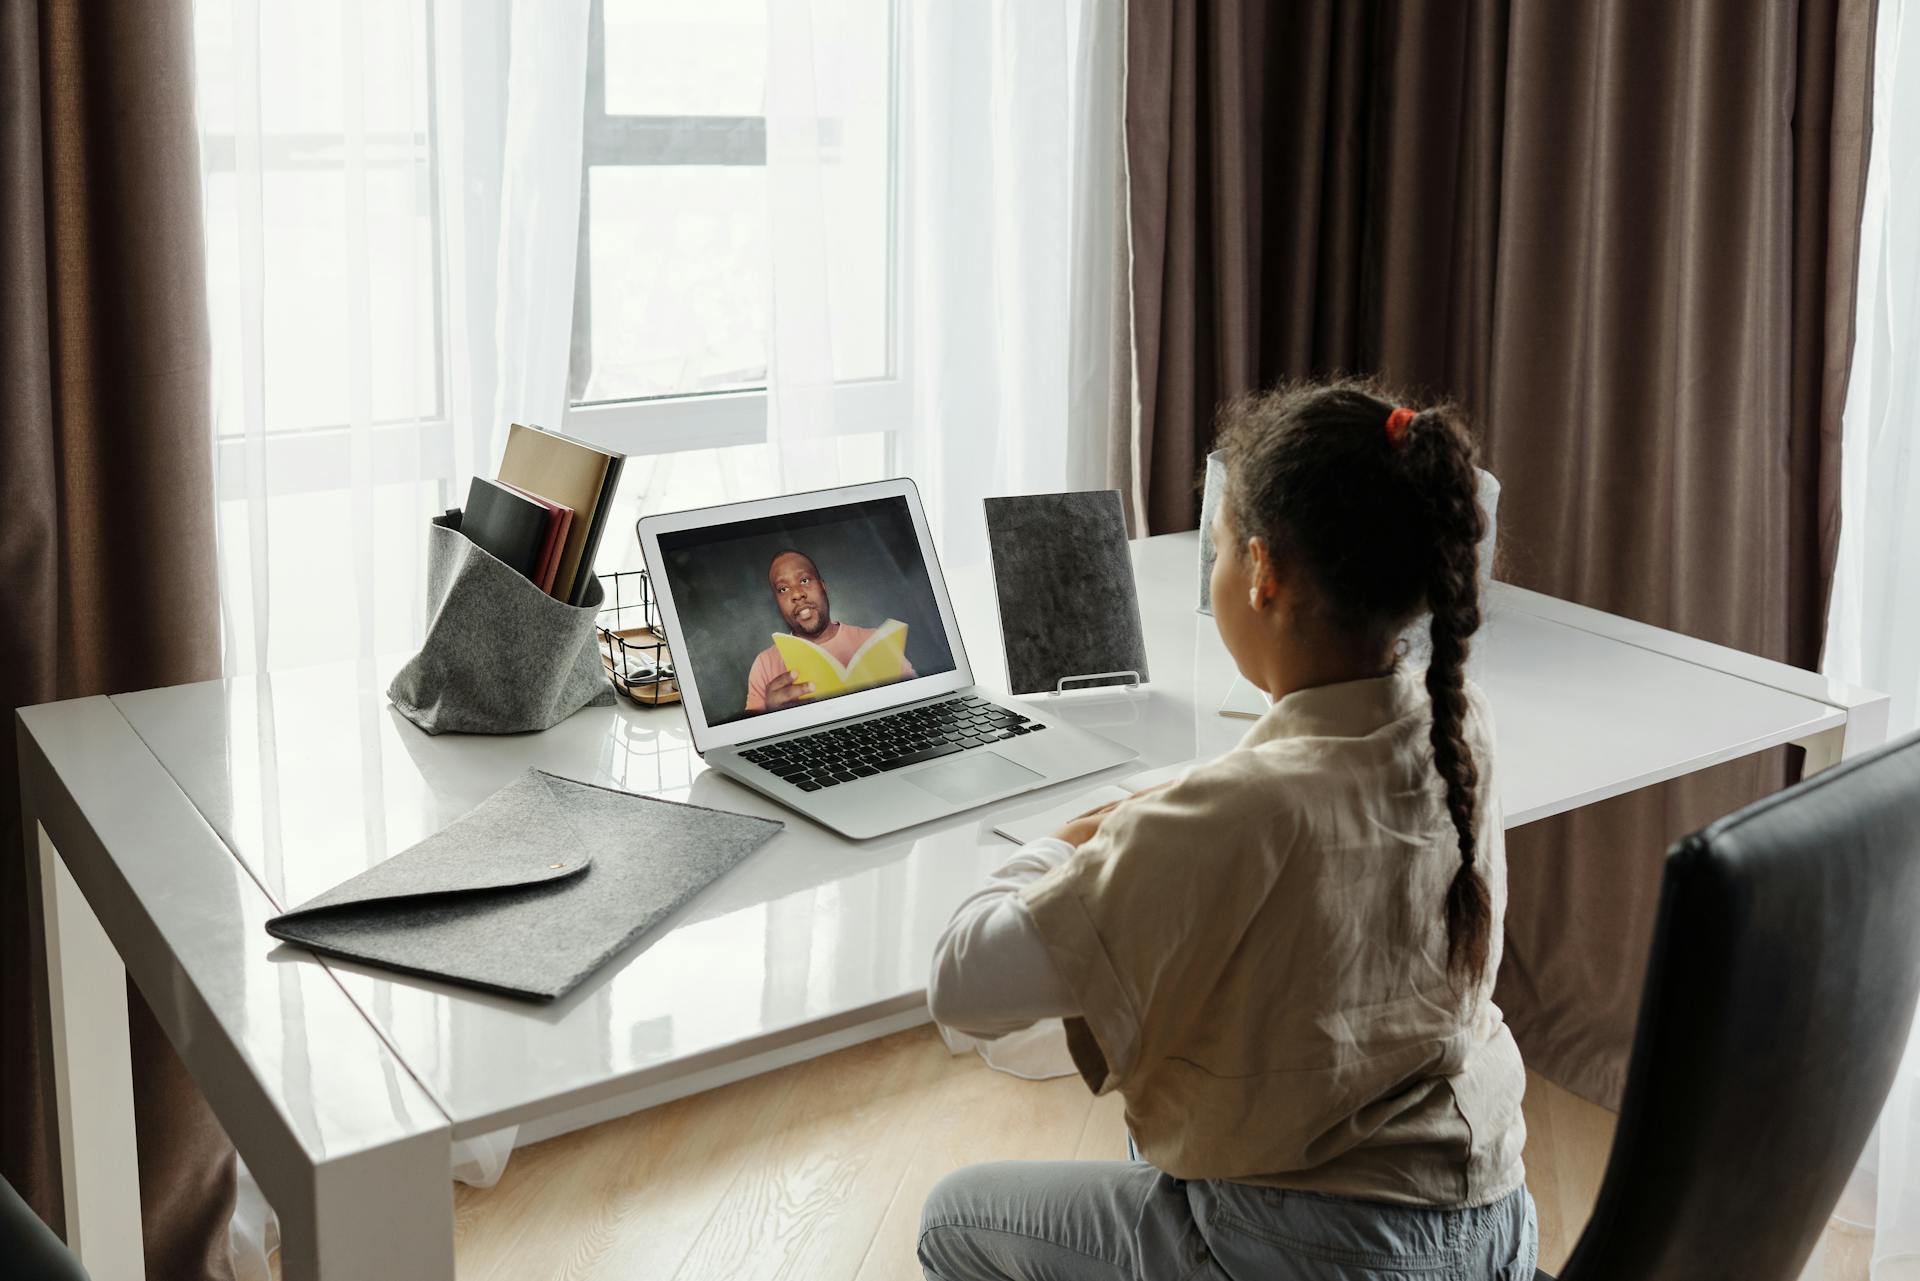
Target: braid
(1440, 453)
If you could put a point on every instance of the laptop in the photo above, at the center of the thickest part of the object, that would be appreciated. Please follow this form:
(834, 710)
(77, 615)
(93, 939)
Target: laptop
(820, 663)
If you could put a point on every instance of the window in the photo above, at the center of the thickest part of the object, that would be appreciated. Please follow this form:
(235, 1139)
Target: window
(353, 164)
(669, 349)
(672, 284)
(343, 122)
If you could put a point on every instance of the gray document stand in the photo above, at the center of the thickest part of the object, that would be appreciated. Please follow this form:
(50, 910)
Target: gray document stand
(1064, 581)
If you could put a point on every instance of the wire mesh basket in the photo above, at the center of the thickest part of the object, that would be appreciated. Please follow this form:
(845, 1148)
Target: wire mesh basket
(632, 643)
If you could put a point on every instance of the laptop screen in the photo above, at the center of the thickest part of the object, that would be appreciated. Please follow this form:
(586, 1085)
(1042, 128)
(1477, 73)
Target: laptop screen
(784, 611)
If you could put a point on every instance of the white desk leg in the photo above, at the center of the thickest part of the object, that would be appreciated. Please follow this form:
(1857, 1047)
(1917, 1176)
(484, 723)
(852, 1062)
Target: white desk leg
(1866, 729)
(383, 1213)
(92, 1073)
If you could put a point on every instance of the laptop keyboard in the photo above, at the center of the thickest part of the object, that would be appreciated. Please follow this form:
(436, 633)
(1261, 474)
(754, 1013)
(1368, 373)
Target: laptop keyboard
(843, 753)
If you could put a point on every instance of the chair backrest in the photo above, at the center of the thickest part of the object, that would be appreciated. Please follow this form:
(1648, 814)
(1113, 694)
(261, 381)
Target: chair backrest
(1779, 995)
(31, 1250)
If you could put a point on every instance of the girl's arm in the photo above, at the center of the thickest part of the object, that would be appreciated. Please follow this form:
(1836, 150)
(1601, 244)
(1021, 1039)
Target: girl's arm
(991, 971)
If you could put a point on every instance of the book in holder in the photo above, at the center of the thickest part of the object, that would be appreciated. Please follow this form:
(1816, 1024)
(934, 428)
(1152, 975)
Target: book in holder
(565, 475)
(500, 656)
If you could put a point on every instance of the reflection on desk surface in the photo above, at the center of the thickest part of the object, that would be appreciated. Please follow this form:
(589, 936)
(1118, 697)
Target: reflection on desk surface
(309, 777)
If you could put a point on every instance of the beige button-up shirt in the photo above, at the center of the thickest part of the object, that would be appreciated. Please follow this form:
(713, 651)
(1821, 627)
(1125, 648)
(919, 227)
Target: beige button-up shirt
(1258, 954)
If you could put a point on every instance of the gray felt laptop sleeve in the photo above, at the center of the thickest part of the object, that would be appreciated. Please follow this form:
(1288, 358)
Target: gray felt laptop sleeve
(531, 891)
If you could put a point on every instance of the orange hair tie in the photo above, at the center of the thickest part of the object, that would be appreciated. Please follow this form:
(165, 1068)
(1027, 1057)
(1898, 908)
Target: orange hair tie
(1397, 426)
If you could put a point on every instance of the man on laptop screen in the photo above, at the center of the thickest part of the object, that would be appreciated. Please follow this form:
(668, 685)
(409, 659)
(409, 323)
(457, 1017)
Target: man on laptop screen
(843, 592)
(866, 655)
(918, 739)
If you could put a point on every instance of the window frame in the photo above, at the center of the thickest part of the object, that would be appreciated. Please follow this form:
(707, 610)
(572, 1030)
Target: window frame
(722, 419)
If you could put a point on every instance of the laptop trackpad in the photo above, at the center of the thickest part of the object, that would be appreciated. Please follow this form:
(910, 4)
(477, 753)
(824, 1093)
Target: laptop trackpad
(971, 778)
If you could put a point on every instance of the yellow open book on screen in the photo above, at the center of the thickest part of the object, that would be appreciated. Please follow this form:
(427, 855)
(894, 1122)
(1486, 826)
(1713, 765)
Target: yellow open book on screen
(876, 662)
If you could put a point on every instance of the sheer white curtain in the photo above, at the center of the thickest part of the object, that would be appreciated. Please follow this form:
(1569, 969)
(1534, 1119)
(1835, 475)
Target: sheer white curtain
(1009, 327)
(1020, 348)
(803, 49)
(391, 193)
(1873, 630)
(392, 196)
(1014, 229)
(1009, 234)
(393, 229)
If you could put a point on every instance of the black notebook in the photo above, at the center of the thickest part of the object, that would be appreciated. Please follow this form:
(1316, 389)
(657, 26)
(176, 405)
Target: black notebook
(602, 508)
(509, 527)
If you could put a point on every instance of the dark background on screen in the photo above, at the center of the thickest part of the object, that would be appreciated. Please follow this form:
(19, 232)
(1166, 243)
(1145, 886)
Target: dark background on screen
(868, 557)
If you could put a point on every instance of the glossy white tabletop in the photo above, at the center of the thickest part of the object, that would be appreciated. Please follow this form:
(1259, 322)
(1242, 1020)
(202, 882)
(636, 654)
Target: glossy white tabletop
(290, 1063)
(310, 777)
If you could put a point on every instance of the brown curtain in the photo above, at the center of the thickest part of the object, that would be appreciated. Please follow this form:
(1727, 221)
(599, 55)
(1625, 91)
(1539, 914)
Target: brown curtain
(1623, 234)
(106, 507)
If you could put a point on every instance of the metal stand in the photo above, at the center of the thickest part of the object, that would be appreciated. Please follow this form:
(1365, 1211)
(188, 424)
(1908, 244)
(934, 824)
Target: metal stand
(633, 644)
(1060, 685)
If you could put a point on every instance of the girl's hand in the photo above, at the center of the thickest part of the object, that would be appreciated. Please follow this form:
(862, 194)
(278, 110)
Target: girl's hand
(1079, 831)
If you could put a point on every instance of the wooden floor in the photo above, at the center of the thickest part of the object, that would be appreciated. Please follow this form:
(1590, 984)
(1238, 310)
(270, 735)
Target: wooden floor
(817, 1172)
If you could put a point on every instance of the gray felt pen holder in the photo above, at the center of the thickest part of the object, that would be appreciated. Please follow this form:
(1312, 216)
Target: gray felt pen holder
(500, 656)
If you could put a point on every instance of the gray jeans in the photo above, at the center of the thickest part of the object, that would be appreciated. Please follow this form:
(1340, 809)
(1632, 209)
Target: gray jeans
(1126, 1221)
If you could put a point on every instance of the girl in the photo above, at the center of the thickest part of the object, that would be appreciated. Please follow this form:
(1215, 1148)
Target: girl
(1284, 960)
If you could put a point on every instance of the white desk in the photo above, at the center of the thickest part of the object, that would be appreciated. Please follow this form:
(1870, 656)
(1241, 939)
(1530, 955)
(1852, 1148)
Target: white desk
(181, 818)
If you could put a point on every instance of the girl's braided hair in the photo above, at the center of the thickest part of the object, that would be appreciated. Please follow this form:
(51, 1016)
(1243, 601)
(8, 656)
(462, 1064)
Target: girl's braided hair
(1383, 524)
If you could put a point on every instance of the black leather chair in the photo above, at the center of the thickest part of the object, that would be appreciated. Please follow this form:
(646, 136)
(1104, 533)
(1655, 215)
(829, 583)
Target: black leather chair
(29, 1250)
(1779, 994)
